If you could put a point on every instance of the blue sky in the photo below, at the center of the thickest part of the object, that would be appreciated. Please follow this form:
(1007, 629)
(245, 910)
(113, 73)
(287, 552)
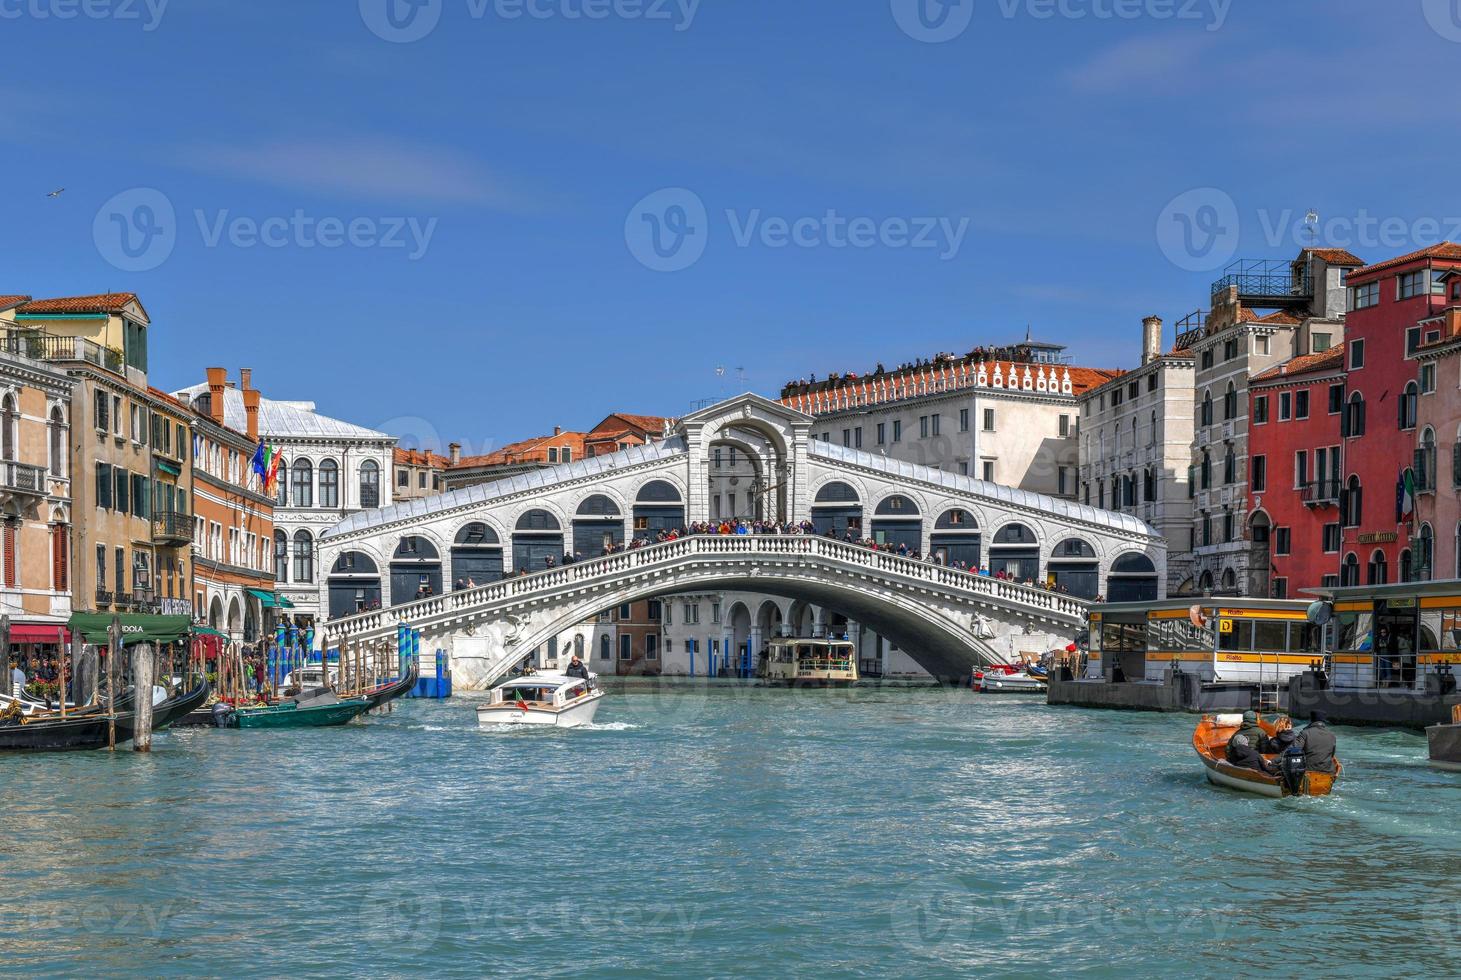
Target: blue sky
(490, 190)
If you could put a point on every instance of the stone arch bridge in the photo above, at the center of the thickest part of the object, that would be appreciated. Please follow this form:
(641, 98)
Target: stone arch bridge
(452, 565)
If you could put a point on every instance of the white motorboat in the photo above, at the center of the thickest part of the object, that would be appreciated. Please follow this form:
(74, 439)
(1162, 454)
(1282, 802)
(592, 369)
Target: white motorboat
(1019, 683)
(542, 699)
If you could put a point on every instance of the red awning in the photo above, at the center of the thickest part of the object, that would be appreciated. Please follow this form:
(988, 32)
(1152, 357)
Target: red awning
(39, 633)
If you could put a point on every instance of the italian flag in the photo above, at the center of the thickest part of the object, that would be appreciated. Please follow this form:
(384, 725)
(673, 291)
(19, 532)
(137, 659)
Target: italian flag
(266, 464)
(1407, 493)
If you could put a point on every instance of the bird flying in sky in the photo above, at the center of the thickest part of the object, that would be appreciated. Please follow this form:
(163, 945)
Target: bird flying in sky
(56, 192)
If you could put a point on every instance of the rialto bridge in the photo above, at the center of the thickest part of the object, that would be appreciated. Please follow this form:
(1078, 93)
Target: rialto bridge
(450, 565)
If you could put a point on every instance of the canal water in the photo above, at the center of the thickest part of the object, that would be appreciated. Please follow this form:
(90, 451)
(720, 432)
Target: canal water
(724, 832)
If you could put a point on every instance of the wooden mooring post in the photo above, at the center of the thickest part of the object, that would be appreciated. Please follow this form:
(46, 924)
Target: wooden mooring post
(142, 664)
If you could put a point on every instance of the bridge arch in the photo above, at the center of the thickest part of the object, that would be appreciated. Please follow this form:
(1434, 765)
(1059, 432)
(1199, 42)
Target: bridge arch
(659, 505)
(957, 538)
(1075, 567)
(598, 525)
(837, 507)
(476, 556)
(898, 520)
(1015, 550)
(354, 584)
(537, 540)
(1133, 578)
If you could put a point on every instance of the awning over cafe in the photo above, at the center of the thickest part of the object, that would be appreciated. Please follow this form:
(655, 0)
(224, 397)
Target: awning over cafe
(271, 601)
(39, 633)
(136, 627)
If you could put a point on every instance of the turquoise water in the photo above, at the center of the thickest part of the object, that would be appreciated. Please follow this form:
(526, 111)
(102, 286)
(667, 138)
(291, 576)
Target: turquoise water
(727, 832)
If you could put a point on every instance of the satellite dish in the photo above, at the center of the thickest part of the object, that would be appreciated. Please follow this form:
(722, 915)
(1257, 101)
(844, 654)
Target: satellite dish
(1197, 617)
(1320, 612)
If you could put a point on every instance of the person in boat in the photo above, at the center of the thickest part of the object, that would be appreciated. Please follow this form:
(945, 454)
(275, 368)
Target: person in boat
(1281, 742)
(576, 668)
(17, 679)
(1317, 743)
(1256, 736)
(1245, 756)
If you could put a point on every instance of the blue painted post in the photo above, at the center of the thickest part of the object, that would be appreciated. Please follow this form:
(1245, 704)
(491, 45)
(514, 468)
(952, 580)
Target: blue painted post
(692, 658)
(440, 672)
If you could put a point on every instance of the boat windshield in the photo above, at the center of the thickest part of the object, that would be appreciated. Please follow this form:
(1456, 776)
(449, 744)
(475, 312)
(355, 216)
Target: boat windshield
(824, 656)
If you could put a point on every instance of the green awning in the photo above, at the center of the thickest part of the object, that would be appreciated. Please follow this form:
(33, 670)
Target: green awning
(208, 631)
(136, 627)
(270, 600)
(167, 467)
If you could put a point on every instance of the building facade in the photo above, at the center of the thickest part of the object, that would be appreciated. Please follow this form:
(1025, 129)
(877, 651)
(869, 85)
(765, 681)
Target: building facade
(417, 473)
(616, 432)
(1437, 537)
(1136, 446)
(1295, 473)
(328, 470)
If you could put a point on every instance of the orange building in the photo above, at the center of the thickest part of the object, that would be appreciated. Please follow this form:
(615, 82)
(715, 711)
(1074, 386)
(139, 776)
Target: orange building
(617, 431)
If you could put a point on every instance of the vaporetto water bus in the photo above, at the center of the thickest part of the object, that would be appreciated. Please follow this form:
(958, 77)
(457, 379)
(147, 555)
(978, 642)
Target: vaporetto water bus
(1200, 655)
(805, 662)
(1393, 653)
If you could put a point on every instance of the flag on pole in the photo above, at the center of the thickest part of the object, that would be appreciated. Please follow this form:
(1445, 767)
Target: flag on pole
(1407, 493)
(261, 465)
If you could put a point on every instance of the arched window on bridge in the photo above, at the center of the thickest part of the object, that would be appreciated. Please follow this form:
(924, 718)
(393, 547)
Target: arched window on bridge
(1016, 552)
(476, 557)
(956, 539)
(1074, 567)
(354, 585)
(415, 570)
(598, 526)
(837, 508)
(897, 521)
(537, 538)
(1133, 578)
(657, 507)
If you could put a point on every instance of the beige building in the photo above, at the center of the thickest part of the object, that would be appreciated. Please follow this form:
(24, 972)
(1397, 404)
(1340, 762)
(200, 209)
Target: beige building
(1136, 447)
(417, 473)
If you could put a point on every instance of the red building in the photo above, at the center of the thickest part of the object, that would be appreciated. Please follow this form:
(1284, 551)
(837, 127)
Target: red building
(1388, 302)
(1295, 470)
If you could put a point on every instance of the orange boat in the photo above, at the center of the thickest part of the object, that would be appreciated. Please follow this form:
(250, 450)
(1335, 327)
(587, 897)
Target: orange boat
(1211, 742)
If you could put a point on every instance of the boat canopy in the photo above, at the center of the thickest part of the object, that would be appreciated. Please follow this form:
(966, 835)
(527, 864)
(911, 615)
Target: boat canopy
(542, 680)
(136, 627)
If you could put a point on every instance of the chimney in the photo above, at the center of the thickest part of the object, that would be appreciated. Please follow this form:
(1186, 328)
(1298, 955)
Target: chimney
(251, 408)
(454, 453)
(1151, 339)
(557, 430)
(217, 381)
(245, 378)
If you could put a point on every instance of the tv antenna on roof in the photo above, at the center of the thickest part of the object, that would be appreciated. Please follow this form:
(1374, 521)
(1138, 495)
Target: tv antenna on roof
(1312, 221)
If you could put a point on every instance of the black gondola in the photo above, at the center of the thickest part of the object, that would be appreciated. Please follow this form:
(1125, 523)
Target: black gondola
(389, 692)
(88, 730)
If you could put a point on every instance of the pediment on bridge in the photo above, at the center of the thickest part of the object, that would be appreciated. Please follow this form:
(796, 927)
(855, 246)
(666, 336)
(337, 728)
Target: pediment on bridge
(749, 406)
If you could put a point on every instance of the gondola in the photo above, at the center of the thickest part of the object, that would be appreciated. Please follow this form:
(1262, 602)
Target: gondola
(321, 712)
(88, 729)
(389, 692)
(1211, 742)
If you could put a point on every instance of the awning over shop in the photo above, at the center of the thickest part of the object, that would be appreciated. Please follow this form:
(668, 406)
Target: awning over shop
(208, 631)
(39, 633)
(136, 627)
(270, 600)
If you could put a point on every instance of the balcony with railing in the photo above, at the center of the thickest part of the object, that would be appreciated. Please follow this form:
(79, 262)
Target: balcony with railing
(22, 478)
(171, 527)
(1320, 493)
(39, 346)
(1265, 283)
(103, 599)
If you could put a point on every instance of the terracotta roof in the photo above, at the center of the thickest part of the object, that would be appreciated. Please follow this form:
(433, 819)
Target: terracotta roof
(100, 303)
(1336, 256)
(420, 457)
(1445, 250)
(13, 300)
(649, 423)
(1327, 360)
(533, 450)
(1279, 316)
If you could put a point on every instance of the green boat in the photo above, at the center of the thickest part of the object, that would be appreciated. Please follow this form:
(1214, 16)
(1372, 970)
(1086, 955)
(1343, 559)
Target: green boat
(291, 715)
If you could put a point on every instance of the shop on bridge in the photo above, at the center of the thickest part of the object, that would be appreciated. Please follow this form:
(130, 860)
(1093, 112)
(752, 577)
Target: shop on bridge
(836, 509)
(956, 539)
(1133, 578)
(657, 508)
(415, 570)
(598, 527)
(537, 538)
(476, 557)
(897, 521)
(1016, 552)
(354, 585)
(1074, 567)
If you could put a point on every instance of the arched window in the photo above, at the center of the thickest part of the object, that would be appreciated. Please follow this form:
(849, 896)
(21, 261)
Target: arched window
(897, 506)
(1153, 440)
(1230, 402)
(1230, 467)
(1378, 572)
(1206, 470)
(304, 557)
(1206, 408)
(658, 491)
(281, 483)
(329, 483)
(1353, 503)
(836, 492)
(1353, 423)
(304, 483)
(1408, 405)
(1014, 534)
(281, 556)
(1423, 558)
(59, 448)
(605, 651)
(370, 483)
(8, 419)
(1349, 572)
